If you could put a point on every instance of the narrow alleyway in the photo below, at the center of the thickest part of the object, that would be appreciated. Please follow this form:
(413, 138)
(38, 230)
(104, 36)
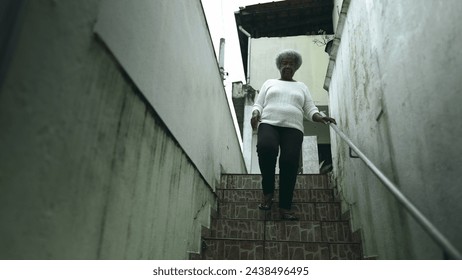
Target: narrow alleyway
(241, 231)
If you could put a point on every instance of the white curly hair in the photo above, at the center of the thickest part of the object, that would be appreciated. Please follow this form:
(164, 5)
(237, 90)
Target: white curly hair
(289, 54)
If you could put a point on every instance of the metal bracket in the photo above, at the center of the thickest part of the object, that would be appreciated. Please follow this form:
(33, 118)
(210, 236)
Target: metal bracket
(351, 153)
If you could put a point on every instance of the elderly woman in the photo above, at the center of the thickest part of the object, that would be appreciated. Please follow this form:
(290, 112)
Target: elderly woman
(278, 113)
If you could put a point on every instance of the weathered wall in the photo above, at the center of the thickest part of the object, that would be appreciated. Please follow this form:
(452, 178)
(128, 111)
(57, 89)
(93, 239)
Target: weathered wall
(396, 91)
(88, 168)
(166, 49)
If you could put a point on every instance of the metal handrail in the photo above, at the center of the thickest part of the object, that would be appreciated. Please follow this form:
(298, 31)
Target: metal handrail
(434, 233)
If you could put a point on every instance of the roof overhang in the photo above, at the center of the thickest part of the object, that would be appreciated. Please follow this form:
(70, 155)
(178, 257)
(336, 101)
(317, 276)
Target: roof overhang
(282, 19)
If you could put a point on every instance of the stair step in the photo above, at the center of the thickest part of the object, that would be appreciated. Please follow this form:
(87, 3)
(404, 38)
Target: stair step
(296, 231)
(311, 251)
(308, 231)
(240, 210)
(223, 249)
(241, 231)
(243, 181)
(255, 195)
(345, 251)
(307, 211)
(228, 249)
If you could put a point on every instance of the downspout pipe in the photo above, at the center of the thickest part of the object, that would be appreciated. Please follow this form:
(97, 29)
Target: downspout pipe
(248, 51)
(221, 59)
(336, 43)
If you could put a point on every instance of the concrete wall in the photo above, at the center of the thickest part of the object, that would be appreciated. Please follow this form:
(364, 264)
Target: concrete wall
(166, 49)
(89, 169)
(396, 91)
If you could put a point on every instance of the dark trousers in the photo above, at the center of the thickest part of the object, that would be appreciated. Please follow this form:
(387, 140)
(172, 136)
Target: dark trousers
(289, 140)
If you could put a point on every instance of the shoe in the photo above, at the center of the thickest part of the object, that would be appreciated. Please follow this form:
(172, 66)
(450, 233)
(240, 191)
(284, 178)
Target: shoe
(267, 202)
(288, 215)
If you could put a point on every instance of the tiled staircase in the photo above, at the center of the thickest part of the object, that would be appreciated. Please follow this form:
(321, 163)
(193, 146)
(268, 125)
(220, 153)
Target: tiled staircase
(240, 231)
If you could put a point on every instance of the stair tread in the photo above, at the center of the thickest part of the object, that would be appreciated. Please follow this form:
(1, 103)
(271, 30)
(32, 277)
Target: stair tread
(271, 241)
(323, 211)
(244, 181)
(301, 231)
(255, 195)
(257, 250)
(240, 230)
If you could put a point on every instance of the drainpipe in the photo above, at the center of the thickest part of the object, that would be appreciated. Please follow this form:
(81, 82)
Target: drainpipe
(336, 43)
(248, 135)
(248, 52)
(221, 58)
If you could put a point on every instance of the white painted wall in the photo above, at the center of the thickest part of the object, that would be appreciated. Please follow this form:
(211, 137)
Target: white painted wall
(166, 49)
(396, 91)
(89, 169)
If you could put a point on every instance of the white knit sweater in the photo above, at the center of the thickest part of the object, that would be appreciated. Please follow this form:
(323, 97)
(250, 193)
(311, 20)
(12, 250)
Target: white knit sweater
(283, 103)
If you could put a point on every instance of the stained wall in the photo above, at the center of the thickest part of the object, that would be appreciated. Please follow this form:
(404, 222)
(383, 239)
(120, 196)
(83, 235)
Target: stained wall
(91, 167)
(395, 91)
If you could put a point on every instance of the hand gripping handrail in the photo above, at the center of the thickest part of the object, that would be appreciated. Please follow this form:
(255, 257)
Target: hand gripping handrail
(434, 233)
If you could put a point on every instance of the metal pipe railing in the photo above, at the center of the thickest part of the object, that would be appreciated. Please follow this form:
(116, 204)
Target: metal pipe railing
(434, 233)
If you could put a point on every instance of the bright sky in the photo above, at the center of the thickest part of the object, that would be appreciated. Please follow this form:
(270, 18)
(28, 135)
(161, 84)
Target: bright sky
(221, 22)
(220, 18)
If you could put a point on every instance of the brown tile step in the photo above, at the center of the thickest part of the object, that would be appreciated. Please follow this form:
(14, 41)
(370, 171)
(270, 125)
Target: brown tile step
(308, 211)
(241, 229)
(255, 195)
(351, 251)
(296, 251)
(225, 249)
(240, 210)
(311, 251)
(246, 181)
(299, 231)
(308, 231)
(228, 249)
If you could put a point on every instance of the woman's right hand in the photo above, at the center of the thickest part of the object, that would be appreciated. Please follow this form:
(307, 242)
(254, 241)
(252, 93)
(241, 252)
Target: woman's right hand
(255, 119)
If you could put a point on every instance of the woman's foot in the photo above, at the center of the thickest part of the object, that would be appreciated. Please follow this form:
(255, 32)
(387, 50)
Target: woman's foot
(267, 202)
(287, 215)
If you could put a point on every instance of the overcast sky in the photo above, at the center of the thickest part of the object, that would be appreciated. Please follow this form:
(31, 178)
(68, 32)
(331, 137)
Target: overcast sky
(220, 18)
